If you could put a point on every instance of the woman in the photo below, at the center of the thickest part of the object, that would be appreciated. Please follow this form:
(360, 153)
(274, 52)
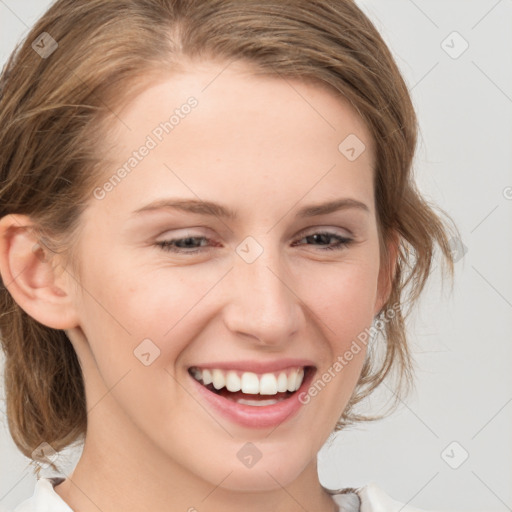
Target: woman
(208, 214)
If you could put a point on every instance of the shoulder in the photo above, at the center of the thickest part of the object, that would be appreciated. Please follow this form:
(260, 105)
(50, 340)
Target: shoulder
(44, 499)
(371, 498)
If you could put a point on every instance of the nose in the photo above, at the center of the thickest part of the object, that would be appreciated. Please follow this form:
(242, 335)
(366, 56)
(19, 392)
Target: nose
(262, 305)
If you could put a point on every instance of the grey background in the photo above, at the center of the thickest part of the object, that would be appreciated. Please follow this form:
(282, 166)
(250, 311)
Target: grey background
(461, 341)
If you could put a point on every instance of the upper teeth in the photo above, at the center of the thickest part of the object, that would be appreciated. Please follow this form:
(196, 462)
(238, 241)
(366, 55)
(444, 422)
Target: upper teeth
(249, 382)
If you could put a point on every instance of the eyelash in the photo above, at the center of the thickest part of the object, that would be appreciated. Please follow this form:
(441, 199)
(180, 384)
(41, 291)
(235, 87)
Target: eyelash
(167, 245)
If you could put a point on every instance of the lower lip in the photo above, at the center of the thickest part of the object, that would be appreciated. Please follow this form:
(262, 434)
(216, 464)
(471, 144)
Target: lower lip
(254, 416)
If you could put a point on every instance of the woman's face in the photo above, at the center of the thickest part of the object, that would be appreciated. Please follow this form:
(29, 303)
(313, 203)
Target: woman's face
(270, 289)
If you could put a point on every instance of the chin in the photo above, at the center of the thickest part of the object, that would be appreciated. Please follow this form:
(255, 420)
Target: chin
(270, 473)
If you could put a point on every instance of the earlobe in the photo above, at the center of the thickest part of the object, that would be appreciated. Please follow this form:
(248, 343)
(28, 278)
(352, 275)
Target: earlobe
(31, 274)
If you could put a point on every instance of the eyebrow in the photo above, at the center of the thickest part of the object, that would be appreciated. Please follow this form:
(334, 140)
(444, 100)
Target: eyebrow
(218, 210)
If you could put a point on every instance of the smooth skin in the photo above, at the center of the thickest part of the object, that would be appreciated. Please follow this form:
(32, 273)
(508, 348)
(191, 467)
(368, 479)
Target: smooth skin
(262, 146)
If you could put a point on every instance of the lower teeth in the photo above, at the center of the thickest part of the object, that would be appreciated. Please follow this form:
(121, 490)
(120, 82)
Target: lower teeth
(257, 403)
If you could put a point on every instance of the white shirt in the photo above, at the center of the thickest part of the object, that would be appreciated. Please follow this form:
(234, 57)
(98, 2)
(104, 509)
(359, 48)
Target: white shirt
(369, 498)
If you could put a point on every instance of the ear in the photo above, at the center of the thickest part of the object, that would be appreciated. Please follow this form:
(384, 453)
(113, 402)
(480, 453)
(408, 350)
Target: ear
(387, 272)
(32, 274)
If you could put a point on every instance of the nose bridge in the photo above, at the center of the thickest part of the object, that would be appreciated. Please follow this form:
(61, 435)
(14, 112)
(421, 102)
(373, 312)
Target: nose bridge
(262, 303)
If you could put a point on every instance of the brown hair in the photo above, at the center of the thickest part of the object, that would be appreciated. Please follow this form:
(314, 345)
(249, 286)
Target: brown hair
(54, 110)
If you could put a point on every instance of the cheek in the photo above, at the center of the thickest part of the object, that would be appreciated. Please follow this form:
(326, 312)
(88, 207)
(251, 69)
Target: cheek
(341, 295)
(123, 297)
(342, 299)
(137, 327)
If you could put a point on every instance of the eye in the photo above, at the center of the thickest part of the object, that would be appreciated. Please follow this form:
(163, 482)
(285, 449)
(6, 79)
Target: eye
(189, 245)
(182, 245)
(342, 242)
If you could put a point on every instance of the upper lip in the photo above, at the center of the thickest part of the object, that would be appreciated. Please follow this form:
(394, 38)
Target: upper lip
(256, 366)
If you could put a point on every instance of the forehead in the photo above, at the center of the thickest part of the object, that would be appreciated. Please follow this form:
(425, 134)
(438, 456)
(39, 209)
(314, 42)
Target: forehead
(247, 134)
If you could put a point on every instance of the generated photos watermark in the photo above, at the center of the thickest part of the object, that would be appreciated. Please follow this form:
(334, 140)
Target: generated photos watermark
(344, 359)
(152, 141)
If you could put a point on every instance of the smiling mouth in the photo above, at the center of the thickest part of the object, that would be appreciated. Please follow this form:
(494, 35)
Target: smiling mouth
(249, 388)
